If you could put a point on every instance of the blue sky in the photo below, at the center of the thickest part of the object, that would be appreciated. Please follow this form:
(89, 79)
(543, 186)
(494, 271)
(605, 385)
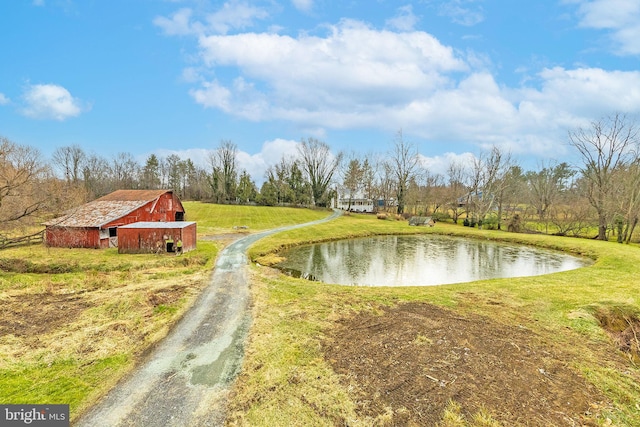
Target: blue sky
(456, 76)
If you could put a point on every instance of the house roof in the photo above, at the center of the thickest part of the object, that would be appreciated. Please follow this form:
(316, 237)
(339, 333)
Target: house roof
(107, 208)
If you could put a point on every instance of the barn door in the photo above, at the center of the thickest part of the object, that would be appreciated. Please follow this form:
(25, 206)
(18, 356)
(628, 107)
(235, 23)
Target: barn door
(113, 237)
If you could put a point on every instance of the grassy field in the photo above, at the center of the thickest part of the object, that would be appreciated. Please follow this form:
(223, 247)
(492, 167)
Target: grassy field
(76, 320)
(286, 375)
(220, 219)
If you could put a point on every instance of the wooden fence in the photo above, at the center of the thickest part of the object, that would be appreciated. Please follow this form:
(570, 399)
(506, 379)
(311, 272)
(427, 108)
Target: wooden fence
(32, 239)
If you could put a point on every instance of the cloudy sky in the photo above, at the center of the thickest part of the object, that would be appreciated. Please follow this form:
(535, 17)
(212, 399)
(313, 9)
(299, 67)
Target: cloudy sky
(179, 76)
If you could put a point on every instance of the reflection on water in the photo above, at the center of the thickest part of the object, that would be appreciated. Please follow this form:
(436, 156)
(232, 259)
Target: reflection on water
(421, 261)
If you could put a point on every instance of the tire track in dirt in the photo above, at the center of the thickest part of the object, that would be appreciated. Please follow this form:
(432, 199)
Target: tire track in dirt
(186, 379)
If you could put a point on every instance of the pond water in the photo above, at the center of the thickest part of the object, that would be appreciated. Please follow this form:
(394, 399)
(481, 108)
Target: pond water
(421, 261)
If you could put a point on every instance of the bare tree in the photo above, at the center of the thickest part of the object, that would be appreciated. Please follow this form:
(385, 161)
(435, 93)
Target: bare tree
(404, 161)
(386, 183)
(432, 192)
(224, 175)
(607, 145)
(21, 171)
(97, 176)
(488, 181)
(28, 192)
(457, 189)
(509, 191)
(69, 160)
(547, 186)
(125, 171)
(573, 214)
(319, 165)
(628, 200)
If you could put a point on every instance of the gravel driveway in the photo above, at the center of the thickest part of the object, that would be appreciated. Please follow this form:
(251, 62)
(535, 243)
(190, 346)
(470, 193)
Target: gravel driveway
(185, 380)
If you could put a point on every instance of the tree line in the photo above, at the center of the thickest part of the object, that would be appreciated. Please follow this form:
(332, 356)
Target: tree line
(601, 191)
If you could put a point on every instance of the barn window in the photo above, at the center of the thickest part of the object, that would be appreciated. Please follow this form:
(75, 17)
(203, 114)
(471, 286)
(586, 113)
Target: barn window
(179, 216)
(113, 231)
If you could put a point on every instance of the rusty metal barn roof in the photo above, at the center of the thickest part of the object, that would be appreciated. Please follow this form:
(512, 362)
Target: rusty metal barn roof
(107, 208)
(133, 195)
(159, 224)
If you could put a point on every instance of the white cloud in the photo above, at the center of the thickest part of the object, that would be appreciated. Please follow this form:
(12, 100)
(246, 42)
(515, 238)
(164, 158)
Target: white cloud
(462, 12)
(212, 94)
(588, 91)
(49, 101)
(336, 79)
(620, 17)
(3, 99)
(191, 75)
(270, 154)
(359, 77)
(255, 164)
(439, 165)
(233, 15)
(303, 5)
(179, 24)
(405, 20)
(355, 76)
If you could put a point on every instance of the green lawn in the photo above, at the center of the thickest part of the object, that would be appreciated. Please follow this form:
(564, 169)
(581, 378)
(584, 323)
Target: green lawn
(292, 316)
(219, 219)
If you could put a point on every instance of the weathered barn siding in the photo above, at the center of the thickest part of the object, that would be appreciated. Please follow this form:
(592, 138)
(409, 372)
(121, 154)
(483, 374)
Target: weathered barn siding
(152, 237)
(98, 220)
(73, 237)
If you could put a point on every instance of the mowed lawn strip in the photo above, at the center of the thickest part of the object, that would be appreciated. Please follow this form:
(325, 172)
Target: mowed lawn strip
(286, 376)
(76, 320)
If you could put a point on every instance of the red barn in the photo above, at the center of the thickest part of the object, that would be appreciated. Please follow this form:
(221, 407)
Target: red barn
(154, 237)
(95, 224)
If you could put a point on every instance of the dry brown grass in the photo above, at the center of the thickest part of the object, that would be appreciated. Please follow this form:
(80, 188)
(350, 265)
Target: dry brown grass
(87, 315)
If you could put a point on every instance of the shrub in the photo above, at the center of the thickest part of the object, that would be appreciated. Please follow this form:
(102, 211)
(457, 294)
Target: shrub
(440, 216)
(489, 223)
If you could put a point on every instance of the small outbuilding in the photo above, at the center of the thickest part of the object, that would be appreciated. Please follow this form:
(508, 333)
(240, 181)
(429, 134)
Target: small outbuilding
(156, 237)
(95, 224)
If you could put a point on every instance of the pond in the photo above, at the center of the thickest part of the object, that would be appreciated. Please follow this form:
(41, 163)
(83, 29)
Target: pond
(421, 261)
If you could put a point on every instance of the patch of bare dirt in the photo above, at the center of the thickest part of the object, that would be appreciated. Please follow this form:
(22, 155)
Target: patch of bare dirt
(166, 296)
(623, 326)
(415, 358)
(37, 314)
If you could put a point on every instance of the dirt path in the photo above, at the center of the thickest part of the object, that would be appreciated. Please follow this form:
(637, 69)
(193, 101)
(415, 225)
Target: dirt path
(186, 379)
